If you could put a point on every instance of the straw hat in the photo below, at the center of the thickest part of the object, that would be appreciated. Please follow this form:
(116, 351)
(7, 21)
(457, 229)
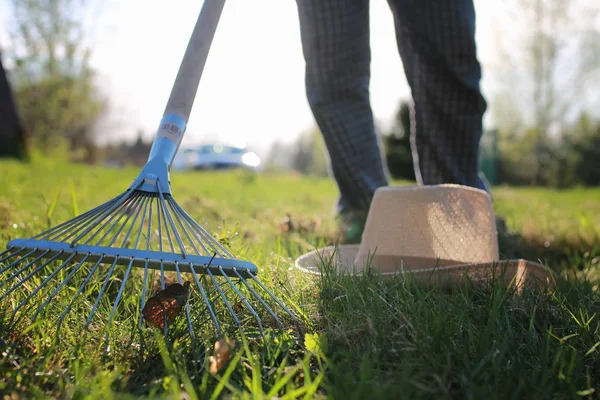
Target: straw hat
(438, 234)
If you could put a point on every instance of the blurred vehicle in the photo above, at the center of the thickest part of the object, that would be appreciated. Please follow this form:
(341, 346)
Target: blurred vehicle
(215, 156)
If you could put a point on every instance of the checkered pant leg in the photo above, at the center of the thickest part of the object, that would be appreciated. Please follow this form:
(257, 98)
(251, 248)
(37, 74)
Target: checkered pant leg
(335, 40)
(436, 41)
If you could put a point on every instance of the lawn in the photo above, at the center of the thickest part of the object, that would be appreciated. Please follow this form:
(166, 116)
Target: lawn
(356, 339)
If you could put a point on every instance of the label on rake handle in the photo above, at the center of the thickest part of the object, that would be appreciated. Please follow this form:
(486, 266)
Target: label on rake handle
(170, 131)
(171, 127)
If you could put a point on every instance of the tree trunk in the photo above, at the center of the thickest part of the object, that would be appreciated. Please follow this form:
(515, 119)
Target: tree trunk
(12, 134)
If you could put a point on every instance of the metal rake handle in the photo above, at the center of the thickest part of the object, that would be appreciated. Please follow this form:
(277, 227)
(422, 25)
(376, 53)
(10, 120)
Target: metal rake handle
(179, 106)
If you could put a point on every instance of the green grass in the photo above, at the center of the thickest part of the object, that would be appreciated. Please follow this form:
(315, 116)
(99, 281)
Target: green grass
(359, 338)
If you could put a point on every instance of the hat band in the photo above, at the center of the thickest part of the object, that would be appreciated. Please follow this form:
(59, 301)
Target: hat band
(397, 263)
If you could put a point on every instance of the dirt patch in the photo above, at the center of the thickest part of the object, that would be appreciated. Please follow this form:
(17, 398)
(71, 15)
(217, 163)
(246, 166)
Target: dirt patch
(5, 214)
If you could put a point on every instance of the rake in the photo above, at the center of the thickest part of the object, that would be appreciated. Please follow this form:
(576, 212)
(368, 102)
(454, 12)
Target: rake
(144, 227)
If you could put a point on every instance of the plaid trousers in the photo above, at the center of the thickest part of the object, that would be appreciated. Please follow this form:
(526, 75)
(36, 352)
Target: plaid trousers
(436, 42)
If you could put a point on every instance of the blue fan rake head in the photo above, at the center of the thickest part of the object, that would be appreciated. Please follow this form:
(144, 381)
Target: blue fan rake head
(141, 230)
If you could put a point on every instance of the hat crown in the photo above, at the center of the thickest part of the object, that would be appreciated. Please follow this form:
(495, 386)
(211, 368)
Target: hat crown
(446, 222)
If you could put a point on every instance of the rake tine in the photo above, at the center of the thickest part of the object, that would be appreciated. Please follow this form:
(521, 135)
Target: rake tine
(206, 235)
(218, 287)
(5, 252)
(125, 209)
(206, 301)
(116, 212)
(198, 239)
(170, 202)
(162, 275)
(143, 220)
(22, 269)
(187, 304)
(203, 233)
(118, 299)
(210, 241)
(8, 251)
(72, 227)
(143, 299)
(259, 299)
(97, 219)
(68, 308)
(166, 211)
(271, 294)
(148, 240)
(44, 283)
(139, 205)
(18, 260)
(162, 286)
(93, 222)
(77, 223)
(41, 307)
(112, 267)
(58, 229)
(149, 231)
(160, 239)
(116, 303)
(35, 271)
(164, 217)
(145, 206)
(243, 299)
(129, 210)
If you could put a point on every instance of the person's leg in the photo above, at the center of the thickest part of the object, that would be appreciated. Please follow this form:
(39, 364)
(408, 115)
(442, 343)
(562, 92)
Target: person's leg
(336, 48)
(436, 41)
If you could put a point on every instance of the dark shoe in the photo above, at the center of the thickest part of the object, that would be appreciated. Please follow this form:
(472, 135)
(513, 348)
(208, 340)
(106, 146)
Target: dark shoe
(508, 241)
(350, 226)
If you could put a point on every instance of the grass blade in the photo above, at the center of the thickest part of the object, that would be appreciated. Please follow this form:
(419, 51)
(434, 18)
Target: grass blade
(223, 380)
(282, 382)
(52, 207)
(73, 198)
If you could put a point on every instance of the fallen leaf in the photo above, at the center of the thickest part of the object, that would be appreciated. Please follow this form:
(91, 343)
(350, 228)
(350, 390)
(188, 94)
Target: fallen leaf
(169, 301)
(239, 306)
(222, 353)
(286, 225)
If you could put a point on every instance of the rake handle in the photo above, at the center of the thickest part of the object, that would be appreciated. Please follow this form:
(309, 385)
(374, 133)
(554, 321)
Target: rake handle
(177, 112)
(186, 83)
(154, 177)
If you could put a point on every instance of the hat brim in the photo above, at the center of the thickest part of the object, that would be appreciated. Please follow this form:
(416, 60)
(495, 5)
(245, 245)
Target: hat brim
(518, 272)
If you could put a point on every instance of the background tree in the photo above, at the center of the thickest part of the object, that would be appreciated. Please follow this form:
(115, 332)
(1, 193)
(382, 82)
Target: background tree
(548, 73)
(584, 151)
(277, 158)
(53, 82)
(309, 154)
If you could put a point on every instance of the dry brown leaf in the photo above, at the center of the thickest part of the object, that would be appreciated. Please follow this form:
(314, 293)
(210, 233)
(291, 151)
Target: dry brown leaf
(169, 301)
(222, 353)
(286, 225)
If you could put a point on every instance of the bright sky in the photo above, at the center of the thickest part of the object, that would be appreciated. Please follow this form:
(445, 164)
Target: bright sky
(252, 89)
